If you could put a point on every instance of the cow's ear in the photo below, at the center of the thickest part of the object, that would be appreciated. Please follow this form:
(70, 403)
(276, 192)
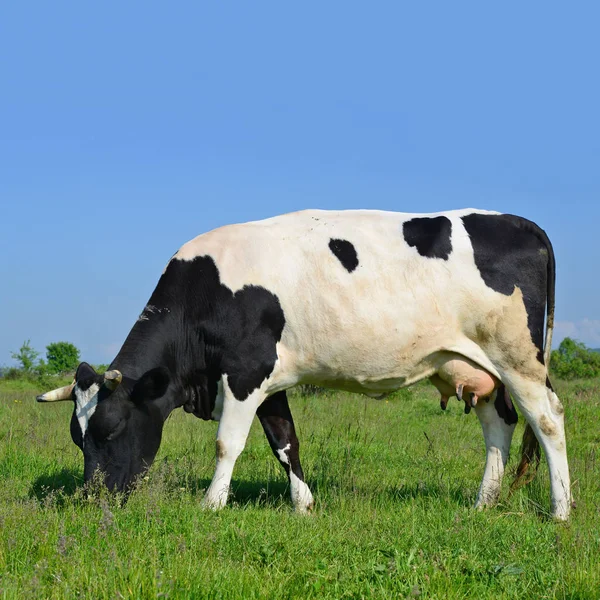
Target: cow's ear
(85, 371)
(151, 385)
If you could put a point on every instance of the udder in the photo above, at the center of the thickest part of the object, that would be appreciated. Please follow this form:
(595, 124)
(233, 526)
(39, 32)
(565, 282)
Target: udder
(458, 376)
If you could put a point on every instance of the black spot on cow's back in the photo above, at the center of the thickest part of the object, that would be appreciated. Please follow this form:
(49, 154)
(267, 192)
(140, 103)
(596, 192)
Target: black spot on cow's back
(345, 252)
(431, 236)
(509, 253)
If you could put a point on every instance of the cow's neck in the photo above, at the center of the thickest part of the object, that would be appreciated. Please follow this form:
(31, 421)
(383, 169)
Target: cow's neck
(171, 331)
(163, 342)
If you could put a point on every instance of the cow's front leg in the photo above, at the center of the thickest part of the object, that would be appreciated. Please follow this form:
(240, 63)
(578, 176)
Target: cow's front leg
(234, 426)
(498, 420)
(276, 418)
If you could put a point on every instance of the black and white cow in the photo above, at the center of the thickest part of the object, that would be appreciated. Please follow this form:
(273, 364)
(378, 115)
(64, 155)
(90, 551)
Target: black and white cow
(365, 301)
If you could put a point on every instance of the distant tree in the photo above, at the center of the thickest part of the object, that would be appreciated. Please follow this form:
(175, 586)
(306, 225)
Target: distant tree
(26, 357)
(61, 357)
(574, 360)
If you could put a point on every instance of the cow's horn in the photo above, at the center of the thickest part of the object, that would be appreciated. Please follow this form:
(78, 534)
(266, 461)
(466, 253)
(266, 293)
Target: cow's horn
(63, 393)
(112, 379)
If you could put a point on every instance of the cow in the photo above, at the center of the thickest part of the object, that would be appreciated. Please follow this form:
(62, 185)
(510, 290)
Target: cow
(361, 300)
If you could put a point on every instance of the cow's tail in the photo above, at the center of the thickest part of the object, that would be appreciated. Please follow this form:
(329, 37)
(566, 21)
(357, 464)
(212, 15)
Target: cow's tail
(530, 445)
(550, 295)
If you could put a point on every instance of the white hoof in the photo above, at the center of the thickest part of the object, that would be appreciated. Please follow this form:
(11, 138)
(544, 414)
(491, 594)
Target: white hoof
(215, 501)
(302, 499)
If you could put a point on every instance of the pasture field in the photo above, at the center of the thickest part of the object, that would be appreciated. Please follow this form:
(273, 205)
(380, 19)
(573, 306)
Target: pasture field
(394, 482)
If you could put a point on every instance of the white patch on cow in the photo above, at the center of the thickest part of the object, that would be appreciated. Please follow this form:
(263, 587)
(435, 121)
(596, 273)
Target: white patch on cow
(234, 426)
(283, 457)
(302, 497)
(544, 412)
(498, 436)
(86, 402)
(366, 333)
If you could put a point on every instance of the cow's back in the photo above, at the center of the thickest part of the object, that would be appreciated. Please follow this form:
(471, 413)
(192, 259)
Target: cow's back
(368, 296)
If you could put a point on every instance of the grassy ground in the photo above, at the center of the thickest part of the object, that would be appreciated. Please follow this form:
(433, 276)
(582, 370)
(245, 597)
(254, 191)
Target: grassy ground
(394, 483)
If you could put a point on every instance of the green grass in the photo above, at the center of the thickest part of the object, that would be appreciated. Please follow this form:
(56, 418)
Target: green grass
(393, 514)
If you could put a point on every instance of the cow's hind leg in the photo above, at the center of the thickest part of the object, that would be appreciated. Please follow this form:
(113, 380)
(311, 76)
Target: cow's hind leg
(275, 417)
(498, 420)
(234, 426)
(538, 403)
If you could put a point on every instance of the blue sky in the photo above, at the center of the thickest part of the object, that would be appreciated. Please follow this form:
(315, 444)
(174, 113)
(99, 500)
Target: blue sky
(128, 128)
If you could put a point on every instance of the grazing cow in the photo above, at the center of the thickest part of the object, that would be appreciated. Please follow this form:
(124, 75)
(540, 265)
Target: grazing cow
(364, 301)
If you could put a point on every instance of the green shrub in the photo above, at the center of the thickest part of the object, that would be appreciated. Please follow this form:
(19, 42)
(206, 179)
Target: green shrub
(12, 373)
(62, 357)
(574, 360)
(26, 357)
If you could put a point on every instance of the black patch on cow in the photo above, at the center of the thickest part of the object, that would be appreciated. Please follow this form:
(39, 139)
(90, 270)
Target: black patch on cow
(75, 430)
(200, 394)
(197, 330)
(201, 330)
(509, 415)
(345, 252)
(122, 439)
(276, 418)
(548, 384)
(431, 236)
(513, 252)
(152, 385)
(110, 416)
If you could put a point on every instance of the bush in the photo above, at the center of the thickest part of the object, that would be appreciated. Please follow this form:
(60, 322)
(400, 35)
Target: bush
(12, 373)
(26, 357)
(61, 357)
(574, 360)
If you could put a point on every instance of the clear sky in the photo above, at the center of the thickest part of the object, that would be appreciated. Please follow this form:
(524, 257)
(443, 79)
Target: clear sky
(127, 128)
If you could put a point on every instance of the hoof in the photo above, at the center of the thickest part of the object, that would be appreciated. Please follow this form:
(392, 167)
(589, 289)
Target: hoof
(307, 509)
(215, 501)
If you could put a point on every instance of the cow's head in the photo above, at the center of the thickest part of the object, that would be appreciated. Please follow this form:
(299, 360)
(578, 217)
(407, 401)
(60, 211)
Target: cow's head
(117, 422)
